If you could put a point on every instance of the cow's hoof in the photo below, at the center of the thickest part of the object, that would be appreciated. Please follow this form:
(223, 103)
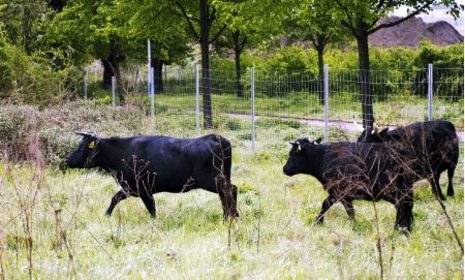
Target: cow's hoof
(404, 230)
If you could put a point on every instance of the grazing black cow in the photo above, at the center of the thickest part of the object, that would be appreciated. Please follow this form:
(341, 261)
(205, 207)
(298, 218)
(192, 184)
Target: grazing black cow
(433, 147)
(350, 171)
(144, 165)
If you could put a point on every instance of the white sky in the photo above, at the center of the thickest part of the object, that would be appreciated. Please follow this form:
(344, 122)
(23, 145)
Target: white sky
(439, 13)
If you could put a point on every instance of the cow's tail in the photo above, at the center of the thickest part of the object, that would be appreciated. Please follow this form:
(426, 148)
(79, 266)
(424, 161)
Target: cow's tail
(453, 162)
(230, 190)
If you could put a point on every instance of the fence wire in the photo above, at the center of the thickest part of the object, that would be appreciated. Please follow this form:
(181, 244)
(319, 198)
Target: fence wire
(291, 104)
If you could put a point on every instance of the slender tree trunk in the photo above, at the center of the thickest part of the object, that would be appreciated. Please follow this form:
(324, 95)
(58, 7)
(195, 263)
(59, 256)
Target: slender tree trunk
(364, 79)
(157, 65)
(111, 68)
(237, 60)
(107, 73)
(205, 53)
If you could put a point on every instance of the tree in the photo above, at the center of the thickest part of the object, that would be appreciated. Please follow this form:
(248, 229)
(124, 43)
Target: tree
(90, 29)
(247, 24)
(24, 22)
(200, 19)
(312, 21)
(154, 20)
(361, 17)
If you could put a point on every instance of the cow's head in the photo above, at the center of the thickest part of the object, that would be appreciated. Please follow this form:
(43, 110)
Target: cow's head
(299, 155)
(373, 135)
(86, 153)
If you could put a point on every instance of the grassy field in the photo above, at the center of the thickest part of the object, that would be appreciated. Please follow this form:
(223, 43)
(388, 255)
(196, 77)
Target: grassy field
(53, 224)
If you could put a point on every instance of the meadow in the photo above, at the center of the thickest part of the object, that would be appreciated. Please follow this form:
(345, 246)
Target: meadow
(53, 223)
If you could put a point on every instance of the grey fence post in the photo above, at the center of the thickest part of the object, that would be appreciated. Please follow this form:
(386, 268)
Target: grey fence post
(252, 89)
(113, 88)
(326, 101)
(430, 91)
(152, 96)
(197, 100)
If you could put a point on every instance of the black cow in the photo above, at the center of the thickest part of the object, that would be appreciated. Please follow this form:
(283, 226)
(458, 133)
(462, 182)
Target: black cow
(433, 147)
(144, 165)
(350, 171)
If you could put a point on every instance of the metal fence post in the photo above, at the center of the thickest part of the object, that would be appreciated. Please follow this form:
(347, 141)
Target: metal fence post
(252, 85)
(197, 100)
(152, 96)
(113, 88)
(430, 91)
(326, 101)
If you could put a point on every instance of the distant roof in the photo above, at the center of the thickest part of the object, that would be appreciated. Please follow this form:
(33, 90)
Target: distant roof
(413, 31)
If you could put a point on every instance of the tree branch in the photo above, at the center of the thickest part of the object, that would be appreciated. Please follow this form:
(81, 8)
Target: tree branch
(188, 19)
(242, 44)
(217, 34)
(390, 24)
(349, 24)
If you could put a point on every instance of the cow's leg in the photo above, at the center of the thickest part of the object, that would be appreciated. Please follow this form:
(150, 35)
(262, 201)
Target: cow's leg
(149, 203)
(450, 175)
(435, 186)
(404, 211)
(349, 208)
(234, 213)
(121, 195)
(327, 203)
(229, 202)
(402, 198)
(228, 196)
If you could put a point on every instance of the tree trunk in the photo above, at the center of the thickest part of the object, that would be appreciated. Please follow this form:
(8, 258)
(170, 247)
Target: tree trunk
(111, 68)
(204, 48)
(237, 60)
(107, 73)
(157, 65)
(364, 79)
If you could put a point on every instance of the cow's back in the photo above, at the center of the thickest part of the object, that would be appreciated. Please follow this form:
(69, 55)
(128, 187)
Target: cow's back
(178, 164)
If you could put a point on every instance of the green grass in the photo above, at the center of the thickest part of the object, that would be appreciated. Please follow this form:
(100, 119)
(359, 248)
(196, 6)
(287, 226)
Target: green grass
(275, 237)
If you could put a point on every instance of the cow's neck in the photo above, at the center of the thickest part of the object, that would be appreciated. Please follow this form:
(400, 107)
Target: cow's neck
(110, 154)
(315, 169)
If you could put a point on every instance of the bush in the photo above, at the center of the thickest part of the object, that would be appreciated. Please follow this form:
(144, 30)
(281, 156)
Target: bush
(34, 79)
(55, 127)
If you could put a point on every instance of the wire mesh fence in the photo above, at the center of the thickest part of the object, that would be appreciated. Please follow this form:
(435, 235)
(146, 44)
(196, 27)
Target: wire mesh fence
(286, 105)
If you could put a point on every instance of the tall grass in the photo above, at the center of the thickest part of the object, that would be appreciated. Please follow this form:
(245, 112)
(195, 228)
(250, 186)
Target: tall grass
(54, 226)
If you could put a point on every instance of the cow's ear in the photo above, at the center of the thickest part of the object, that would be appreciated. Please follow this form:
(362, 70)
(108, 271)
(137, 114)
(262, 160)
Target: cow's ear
(384, 131)
(86, 134)
(375, 129)
(318, 141)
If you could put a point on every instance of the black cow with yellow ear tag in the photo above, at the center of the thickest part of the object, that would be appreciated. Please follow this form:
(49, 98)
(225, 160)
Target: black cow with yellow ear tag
(145, 165)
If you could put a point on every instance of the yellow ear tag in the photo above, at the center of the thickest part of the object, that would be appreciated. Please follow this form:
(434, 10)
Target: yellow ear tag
(299, 148)
(91, 145)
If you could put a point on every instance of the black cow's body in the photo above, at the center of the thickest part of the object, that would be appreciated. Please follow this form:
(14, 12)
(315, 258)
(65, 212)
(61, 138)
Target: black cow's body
(144, 165)
(350, 171)
(432, 147)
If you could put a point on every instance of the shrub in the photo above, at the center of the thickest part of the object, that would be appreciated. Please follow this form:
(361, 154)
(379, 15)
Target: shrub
(56, 126)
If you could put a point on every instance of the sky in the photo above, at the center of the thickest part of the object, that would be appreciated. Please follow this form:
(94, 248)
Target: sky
(439, 13)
